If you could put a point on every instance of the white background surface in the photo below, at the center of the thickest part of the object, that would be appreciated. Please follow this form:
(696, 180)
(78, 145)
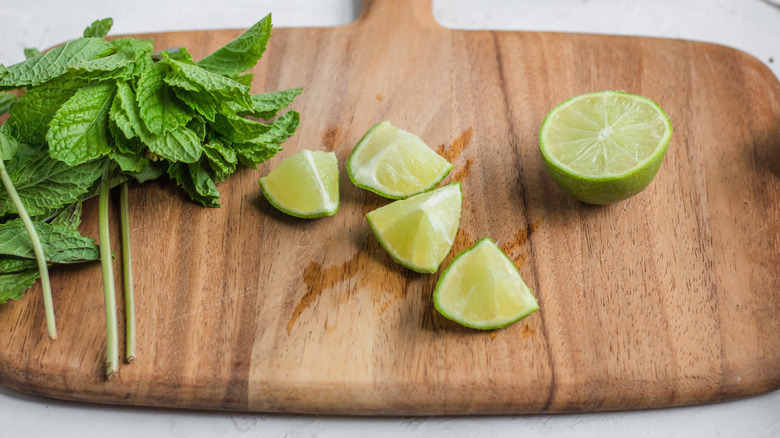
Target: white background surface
(749, 25)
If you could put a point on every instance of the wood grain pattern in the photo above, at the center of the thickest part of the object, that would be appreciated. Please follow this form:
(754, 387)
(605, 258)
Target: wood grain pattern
(670, 298)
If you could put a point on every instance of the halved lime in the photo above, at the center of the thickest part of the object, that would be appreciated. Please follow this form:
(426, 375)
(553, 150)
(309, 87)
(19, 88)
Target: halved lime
(394, 163)
(605, 147)
(304, 185)
(482, 289)
(418, 232)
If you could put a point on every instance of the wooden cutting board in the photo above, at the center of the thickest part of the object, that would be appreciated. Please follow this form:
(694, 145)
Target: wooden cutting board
(670, 298)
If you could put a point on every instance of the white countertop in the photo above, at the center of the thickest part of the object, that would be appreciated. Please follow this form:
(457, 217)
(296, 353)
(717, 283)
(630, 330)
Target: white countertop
(749, 25)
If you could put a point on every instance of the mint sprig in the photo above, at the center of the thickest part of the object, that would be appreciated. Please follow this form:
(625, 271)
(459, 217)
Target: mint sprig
(97, 113)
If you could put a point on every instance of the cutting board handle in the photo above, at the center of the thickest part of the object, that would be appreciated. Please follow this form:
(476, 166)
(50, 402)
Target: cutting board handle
(418, 12)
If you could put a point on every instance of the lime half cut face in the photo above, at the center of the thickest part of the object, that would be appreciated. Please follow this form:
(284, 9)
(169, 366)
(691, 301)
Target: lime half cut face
(418, 232)
(304, 185)
(395, 163)
(482, 289)
(605, 147)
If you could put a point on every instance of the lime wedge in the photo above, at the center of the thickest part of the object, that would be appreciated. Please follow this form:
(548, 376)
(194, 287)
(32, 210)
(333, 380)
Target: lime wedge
(604, 147)
(304, 185)
(394, 163)
(482, 289)
(418, 232)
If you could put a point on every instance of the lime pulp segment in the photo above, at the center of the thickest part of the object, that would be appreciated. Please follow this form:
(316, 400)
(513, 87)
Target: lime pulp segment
(304, 185)
(418, 232)
(395, 163)
(482, 289)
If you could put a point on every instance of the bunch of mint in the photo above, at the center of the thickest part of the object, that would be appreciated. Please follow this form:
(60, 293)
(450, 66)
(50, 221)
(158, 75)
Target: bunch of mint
(96, 113)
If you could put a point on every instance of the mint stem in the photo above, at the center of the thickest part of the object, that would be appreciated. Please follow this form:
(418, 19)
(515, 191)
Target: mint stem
(37, 249)
(127, 265)
(109, 291)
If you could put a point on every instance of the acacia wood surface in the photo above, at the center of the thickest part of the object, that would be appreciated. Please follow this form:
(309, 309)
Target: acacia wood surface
(670, 298)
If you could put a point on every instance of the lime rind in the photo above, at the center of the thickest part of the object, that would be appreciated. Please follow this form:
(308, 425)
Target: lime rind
(323, 180)
(367, 175)
(393, 248)
(608, 188)
(452, 314)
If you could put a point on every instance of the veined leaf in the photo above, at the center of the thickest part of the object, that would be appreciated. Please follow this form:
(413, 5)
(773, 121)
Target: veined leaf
(12, 286)
(6, 101)
(8, 148)
(60, 244)
(78, 131)
(126, 115)
(99, 28)
(159, 108)
(199, 79)
(221, 159)
(69, 216)
(196, 182)
(29, 118)
(202, 103)
(54, 63)
(181, 144)
(13, 265)
(31, 52)
(238, 129)
(45, 184)
(242, 53)
(267, 105)
(261, 148)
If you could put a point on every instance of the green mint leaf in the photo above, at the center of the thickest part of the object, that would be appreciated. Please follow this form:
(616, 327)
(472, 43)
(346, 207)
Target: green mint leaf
(99, 28)
(78, 131)
(153, 170)
(8, 148)
(31, 52)
(29, 118)
(221, 159)
(202, 103)
(265, 146)
(6, 101)
(45, 184)
(196, 182)
(137, 47)
(54, 63)
(181, 144)
(245, 79)
(128, 162)
(69, 216)
(242, 53)
(13, 265)
(267, 105)
(126, 115)
(12, 286)
(237, 129)
(60, 244)
(200, 79)
(129, 154)
(160, 110)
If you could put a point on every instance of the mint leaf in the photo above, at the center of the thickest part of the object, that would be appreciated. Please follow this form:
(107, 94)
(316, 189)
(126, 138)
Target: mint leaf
(202, 103)
(250, 155)
(31, 52)
(196, 78)
(196, 182)
(78, 130)
(159, 108)
(280, 130)
(60, 244)
(12, 286)
(267, 105)
(29, 118)
(13, 265)
(8, 147)
(6, 101)
(222, 160)
(242, 53)
(181, 144)
(45, 184)
(54, 63)
(137, 47)
(99, 28)
(69, 216)
(126, 115)
(153, 170)
(265, 146)
(245, 79)
(238, 129)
